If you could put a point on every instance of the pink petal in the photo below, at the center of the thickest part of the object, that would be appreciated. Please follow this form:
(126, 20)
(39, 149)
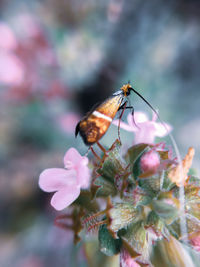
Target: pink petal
(54, 179)
(83, 176)
(146, 134)
(126, 260)
(72, 158)
(132, 123)
(11, 69)
(68, 122)
(140, 117)
(160, 130)
(7, 37)
(123, 125)
(195, 242)
(154, 116)
(64, 197)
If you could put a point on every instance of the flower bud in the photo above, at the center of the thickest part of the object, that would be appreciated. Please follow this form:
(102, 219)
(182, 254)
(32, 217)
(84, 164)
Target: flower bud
(150, 161)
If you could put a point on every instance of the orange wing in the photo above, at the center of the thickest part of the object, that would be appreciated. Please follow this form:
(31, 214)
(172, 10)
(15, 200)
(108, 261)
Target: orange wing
(93, 126)
(110, 106)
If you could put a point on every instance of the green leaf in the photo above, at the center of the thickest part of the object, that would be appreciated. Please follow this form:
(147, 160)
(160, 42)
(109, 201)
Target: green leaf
(174, 229)
(191, 191)
(136, 168)
(108, 245)
(157, 224)
(167, 183)
(140, 197)
(136, 151)
(135, 154)
(105, 188)
(121, 215)
(165, 211)
(151, 185)
(113, 164)
(85, 200)
(192, 199)
(193, 207)
(170, 253)
(193, 224)
(137, 237)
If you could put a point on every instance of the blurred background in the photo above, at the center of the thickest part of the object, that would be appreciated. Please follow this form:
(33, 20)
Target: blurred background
(57, 59)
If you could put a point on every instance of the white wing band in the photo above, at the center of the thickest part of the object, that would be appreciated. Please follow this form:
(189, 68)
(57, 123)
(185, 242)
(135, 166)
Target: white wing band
(100, 115)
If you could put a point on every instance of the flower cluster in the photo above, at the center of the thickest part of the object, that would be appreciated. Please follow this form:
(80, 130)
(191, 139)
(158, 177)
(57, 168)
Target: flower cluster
(23, 59)
(142, 219)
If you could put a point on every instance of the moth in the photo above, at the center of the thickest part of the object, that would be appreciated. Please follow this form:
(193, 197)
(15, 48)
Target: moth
(95, 124)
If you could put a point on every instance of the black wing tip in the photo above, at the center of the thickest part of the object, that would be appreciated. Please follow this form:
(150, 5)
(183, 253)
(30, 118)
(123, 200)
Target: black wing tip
(77, 129)
(84, 137)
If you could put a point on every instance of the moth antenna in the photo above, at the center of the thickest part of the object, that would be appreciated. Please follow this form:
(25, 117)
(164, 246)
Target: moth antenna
(183, 224)
(145, 101)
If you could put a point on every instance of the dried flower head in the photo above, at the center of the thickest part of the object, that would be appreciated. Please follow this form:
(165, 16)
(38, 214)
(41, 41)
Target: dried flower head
(179, 173)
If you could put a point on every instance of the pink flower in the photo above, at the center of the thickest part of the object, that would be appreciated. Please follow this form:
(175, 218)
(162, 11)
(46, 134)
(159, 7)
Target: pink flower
(126, 260)
(146, 130)
(66, 182)
(11, 69)
(150, 161)
(7, 37)
(195, 241)
(68, 122)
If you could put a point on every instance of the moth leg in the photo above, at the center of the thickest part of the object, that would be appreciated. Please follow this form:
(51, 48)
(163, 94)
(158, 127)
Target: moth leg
(123, 107)
(94, 153)
(134, 119)
(101, 147)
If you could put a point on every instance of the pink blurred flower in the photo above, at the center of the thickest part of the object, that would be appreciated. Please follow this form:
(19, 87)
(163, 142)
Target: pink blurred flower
(56, 90)
(68, 122)
(146, 130)
(150, 161)
(11, 69)
(66, 182)
(114, 10)
(7, 37)
(23, 57)
(31, 260)
(126, 260)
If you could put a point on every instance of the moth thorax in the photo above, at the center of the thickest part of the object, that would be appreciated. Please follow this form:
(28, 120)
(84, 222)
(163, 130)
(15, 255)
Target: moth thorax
(126, 89)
